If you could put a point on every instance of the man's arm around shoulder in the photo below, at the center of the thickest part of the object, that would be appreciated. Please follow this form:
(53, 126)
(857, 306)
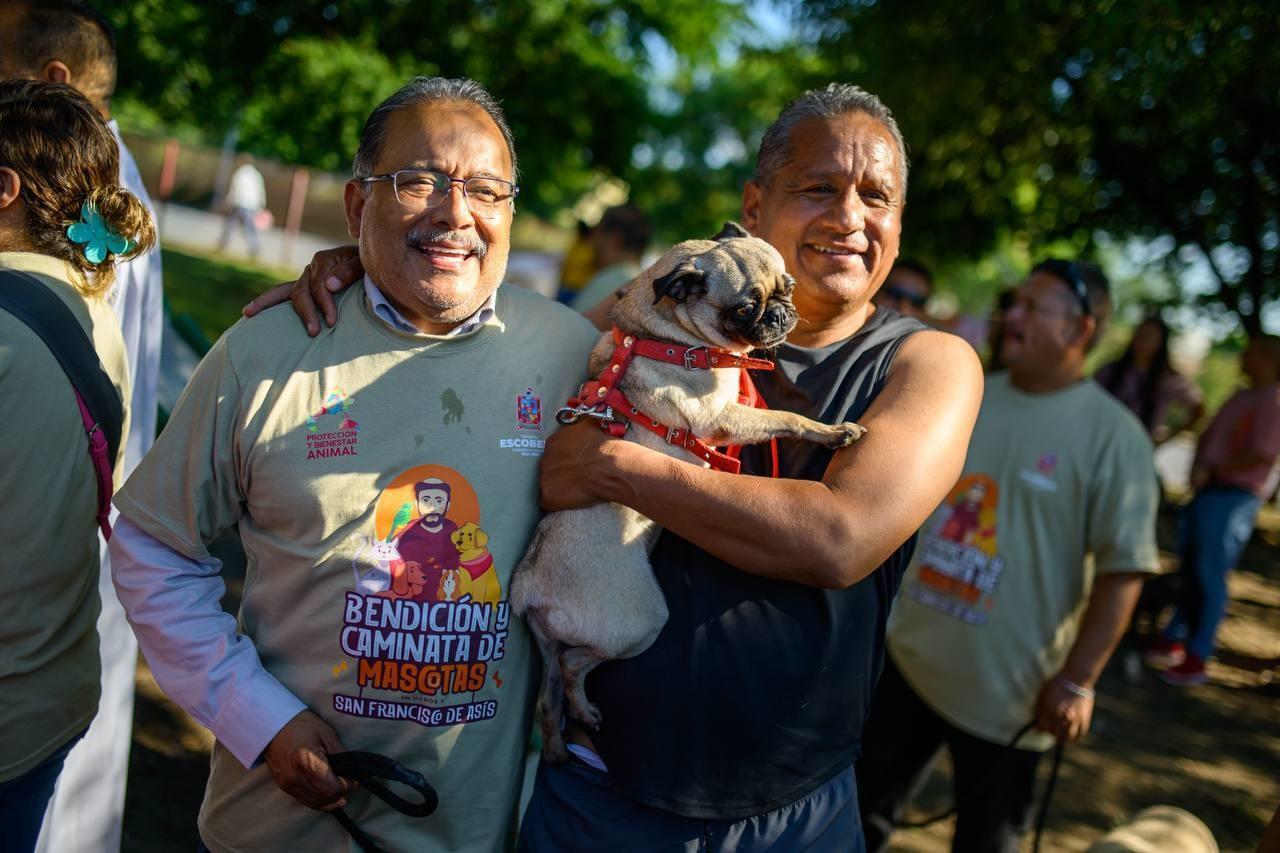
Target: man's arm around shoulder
(831, 533)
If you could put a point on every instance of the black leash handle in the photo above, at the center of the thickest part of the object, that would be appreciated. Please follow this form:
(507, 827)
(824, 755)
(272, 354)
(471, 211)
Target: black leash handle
(366, 768)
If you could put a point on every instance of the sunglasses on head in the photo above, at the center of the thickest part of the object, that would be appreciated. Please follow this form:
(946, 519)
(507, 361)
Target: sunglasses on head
(1068, 272)
(903, 295)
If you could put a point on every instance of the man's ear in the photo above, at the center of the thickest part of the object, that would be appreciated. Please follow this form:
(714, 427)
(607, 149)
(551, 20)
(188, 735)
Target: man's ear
(751, 206)
(1086, 328)
(681, 283)
(354, 200)
(731, 231)
(10, 187)
(56, 71)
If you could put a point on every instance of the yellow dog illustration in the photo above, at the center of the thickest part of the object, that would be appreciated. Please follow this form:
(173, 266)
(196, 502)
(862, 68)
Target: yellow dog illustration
(479, 576)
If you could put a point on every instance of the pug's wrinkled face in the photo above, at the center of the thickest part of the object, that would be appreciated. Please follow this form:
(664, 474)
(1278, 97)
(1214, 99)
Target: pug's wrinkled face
(732, 291)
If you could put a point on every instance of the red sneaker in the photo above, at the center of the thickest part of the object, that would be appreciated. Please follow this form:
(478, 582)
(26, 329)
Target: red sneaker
(1190, 671)
(1163, 654)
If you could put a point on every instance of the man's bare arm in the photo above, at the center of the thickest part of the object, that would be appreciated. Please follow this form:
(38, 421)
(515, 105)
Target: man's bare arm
(1106, 617)
(1065, 704)
(831, 533)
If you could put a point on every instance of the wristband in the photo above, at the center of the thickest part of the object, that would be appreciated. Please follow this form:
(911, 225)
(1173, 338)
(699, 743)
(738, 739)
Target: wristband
(1075, 689)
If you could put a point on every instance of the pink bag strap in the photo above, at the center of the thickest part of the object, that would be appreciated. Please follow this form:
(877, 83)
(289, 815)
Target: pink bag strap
(101, 466)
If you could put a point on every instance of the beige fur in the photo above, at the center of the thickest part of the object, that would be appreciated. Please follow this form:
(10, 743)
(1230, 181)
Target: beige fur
(1159, 829)
(585, 585)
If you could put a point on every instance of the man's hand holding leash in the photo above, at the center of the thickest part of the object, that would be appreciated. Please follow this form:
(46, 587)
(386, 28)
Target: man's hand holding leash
(1064, 709)
(298, 757)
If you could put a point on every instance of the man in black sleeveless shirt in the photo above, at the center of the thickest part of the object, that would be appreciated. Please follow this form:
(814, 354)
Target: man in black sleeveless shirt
(738, 727)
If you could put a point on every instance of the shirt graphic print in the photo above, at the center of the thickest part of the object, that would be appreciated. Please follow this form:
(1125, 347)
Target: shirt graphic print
(960, 566)
(424, 625)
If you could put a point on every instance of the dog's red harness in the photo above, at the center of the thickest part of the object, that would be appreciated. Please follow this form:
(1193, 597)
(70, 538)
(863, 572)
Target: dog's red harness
(600, 398)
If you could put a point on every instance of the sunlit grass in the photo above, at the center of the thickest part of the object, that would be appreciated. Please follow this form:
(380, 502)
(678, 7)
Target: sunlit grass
(211, 289)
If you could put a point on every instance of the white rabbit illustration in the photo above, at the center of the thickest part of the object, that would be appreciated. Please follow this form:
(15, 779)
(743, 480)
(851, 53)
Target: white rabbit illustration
(376, 578)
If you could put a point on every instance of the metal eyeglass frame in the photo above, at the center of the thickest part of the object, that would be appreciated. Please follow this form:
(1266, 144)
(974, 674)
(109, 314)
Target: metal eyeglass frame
(395, 188)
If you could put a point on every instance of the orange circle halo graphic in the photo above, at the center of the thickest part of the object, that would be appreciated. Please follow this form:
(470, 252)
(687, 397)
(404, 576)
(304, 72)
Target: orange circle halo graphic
(464, 506)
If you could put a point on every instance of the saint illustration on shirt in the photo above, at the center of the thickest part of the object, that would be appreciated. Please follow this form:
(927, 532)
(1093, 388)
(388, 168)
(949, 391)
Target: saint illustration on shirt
(429, 543)
(965, 521)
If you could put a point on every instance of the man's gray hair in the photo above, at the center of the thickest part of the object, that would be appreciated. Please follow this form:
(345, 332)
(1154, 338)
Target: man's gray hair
(425, 90)
(835, 100)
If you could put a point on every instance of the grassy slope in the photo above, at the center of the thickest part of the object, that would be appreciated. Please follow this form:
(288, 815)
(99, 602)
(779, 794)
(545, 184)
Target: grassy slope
(212, 290)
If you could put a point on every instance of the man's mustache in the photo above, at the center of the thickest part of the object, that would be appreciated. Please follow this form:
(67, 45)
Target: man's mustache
(422, 238)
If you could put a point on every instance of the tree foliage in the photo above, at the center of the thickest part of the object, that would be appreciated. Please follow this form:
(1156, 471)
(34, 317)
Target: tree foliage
(1060, 119)
(299, 78)
(1030, 124)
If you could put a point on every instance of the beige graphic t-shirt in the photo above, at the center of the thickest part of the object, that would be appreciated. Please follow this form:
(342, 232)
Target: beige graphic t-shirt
(385, 487)
(990, 607)
(49, 667)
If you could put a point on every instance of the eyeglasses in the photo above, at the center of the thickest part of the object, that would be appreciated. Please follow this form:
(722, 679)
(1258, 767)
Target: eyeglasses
(421, 189)
(1069, 273)
(903, 295)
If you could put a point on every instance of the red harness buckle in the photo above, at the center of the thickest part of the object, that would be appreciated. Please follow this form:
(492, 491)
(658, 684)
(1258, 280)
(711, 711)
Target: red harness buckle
(601, 399)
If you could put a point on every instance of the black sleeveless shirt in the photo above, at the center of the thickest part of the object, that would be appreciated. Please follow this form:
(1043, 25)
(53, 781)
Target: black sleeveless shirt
(755, 692)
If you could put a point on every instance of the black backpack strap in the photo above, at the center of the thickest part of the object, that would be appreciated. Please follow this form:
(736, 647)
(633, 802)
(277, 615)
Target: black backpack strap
(26, 298)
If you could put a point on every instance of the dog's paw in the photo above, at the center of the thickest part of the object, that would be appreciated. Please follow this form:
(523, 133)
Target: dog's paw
(586, 713)
(843, 435)
(553, 750)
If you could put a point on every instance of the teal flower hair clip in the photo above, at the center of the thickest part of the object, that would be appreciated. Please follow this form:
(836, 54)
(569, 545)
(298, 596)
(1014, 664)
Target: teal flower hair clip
(98, 238)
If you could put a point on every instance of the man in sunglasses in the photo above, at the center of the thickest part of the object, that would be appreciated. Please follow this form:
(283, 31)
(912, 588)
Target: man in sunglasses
(420, 413)
(1002, 620)
(907, 290)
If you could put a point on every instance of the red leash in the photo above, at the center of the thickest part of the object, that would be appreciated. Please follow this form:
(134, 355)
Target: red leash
(601, 399)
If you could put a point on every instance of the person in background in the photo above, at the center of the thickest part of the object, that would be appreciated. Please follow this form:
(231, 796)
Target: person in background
(1144, 381)
(1003, 622)
(579, 264)
(907, 290)
(69, 42)
(58, 164)
(619, 241)
(245, 202)
(995, 331)
(1229, 474)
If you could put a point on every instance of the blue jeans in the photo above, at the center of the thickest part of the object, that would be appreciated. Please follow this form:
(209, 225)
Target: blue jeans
(23, 801)
(575, 808)
(1215, 527)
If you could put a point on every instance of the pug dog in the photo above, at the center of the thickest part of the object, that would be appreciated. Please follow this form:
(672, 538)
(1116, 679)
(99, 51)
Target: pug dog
(585, 586)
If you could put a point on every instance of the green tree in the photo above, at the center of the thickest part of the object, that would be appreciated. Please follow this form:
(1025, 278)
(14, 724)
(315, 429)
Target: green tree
(1037, 122)
(299, 78)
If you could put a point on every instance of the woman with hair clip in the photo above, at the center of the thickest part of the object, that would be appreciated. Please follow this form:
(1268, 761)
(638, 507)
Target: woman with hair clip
(1144, 381)
(64, 222)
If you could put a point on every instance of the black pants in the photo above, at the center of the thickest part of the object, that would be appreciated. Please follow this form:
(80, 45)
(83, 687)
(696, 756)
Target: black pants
(993, 785)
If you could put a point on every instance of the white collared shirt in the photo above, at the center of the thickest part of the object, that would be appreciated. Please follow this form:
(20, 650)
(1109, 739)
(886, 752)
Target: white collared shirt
(388, 314)
(137, 297)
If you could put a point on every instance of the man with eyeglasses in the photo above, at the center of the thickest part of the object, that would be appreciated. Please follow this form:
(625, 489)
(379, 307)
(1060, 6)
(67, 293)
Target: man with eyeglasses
(907, 290)
(353, 634)
(1024, 580)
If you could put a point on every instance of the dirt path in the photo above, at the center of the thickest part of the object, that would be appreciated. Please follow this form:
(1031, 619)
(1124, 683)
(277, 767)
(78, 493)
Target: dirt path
(1213, 750)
